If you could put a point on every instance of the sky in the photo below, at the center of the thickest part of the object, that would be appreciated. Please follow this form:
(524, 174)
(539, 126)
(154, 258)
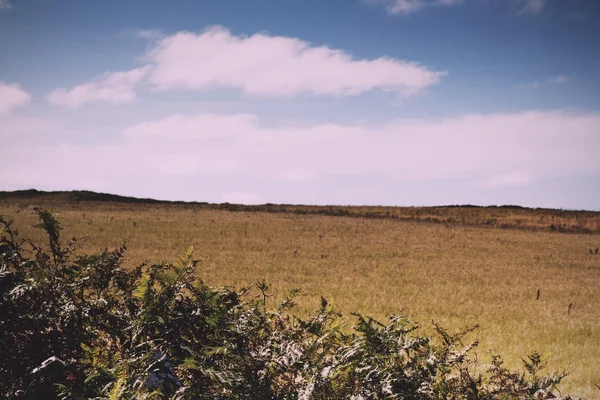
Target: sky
(366, 102)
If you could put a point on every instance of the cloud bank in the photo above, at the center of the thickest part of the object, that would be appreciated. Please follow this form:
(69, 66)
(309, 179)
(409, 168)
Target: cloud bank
(478, 147)
(495, 150)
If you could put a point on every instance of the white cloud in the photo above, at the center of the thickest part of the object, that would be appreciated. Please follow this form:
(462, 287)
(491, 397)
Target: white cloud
(115, 88)
(5, 4)
(261, 64)
(519, 178)
(11, 97)
(267, 65)
(194, 126)
(533, 6)
(411, 6)
(242, 198)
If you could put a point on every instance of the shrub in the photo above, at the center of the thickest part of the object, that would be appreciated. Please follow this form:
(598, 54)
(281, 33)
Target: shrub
(78, 326)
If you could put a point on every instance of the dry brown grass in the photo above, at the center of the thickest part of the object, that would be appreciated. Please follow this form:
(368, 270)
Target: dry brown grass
(456, 275)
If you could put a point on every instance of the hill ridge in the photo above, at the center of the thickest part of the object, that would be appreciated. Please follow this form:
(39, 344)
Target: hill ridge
(89, 195)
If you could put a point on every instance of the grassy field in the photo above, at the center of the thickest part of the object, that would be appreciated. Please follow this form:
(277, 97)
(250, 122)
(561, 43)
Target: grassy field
(455, 271)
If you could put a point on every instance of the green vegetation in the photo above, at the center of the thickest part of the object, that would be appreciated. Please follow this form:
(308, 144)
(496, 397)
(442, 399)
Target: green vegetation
(80, 326)
(456, 274)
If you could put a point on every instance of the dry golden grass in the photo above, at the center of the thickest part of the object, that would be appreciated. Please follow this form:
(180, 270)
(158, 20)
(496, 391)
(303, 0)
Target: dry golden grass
(456, 275)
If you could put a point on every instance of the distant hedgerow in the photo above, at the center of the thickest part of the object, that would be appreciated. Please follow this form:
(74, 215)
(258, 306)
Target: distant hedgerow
(76, 326)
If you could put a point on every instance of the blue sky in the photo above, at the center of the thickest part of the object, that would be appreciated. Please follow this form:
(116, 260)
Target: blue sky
(395, 102)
